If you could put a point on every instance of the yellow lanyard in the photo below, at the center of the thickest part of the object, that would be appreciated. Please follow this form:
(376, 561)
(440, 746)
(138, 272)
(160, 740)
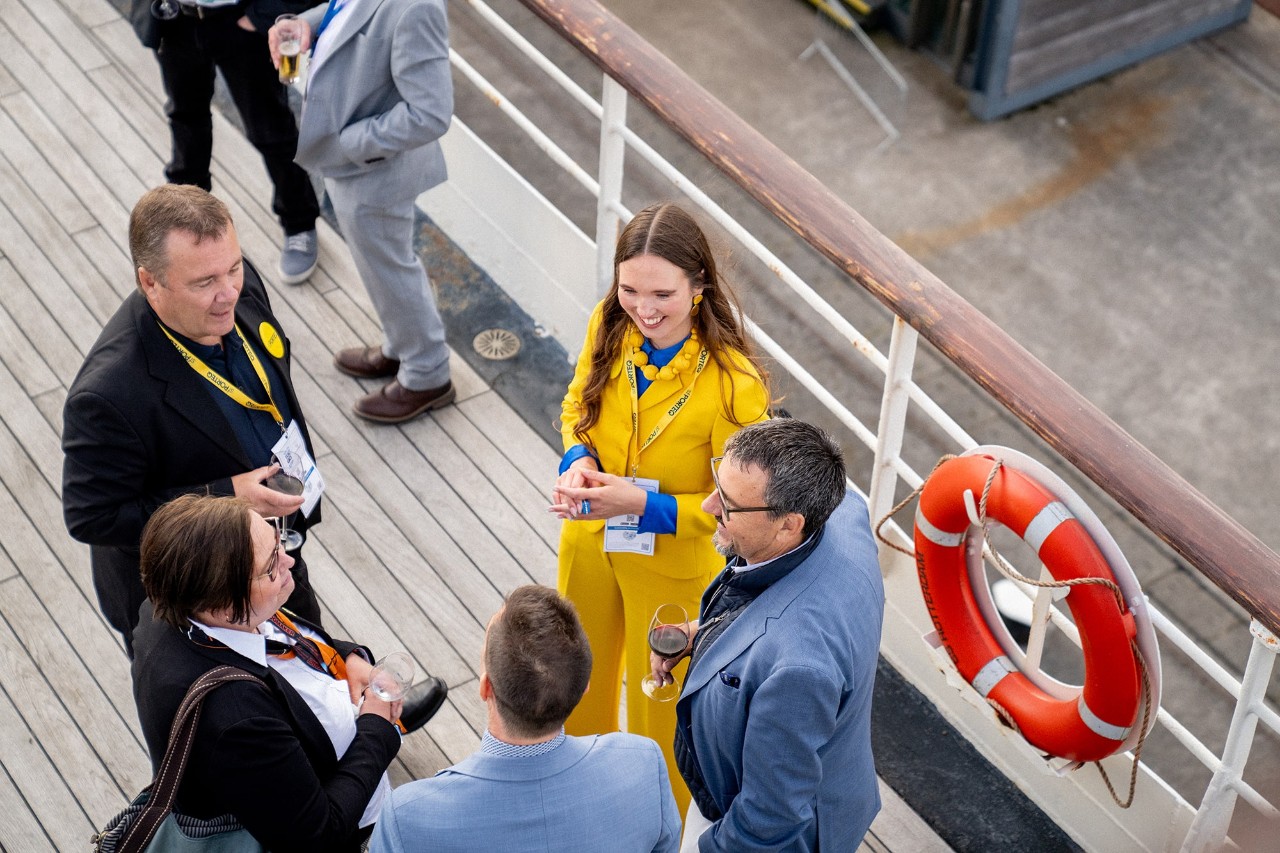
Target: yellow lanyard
(667, 417)
(217, 381)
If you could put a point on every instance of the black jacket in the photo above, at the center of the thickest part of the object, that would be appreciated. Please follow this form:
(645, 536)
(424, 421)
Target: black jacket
(140, 428)
(259, 754)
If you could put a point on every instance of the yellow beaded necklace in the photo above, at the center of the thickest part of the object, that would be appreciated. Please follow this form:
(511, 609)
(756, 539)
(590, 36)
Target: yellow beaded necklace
(680, 363)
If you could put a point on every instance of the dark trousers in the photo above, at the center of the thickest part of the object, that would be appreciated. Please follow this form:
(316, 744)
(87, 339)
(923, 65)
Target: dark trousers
(190, 49)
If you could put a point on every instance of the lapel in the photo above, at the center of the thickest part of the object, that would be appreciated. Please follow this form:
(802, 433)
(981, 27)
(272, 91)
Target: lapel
(183, 392)
(751, 625)
(304, 721)
(357, 17)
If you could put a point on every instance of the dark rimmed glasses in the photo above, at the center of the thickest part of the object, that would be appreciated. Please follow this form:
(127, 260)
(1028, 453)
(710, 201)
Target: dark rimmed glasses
(725, 508)
(270, 571)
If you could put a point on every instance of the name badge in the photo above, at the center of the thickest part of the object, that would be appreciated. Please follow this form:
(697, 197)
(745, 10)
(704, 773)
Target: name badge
(622, 532)
(296, 461)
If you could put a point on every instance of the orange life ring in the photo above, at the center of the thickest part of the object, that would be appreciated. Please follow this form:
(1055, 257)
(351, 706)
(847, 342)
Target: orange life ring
(1096, 723)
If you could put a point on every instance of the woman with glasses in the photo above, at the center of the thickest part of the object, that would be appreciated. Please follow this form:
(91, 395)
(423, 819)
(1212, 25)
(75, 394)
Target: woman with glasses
(665, 375)
(293, 759)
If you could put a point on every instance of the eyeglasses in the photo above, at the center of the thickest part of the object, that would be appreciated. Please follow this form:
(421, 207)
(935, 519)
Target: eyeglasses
(270, 571)
(724, 502)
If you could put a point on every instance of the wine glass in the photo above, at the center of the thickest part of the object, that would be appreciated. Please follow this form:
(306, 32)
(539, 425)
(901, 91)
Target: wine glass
(392, 676)
(668, 638)
(287, 485)
(164, 10)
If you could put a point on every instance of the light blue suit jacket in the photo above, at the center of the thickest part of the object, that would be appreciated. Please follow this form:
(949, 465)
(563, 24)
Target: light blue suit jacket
(590, 794)
(380, 98)
(779, 707)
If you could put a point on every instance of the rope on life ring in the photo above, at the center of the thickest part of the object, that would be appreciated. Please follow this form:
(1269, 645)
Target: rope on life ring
(1096, 723)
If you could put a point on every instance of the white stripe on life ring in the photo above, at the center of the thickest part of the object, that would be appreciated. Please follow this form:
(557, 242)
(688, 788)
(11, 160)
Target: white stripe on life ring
(1098, 726)
(934, 535)
(992, 674)
(1045, 522)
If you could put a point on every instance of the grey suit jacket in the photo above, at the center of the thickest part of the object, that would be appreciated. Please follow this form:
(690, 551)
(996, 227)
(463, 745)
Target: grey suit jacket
(380, 98)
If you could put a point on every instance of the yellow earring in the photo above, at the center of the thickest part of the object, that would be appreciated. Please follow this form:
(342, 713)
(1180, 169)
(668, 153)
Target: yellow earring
(697, 300)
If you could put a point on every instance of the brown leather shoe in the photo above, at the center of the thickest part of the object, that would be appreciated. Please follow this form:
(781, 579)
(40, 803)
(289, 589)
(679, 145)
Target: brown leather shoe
(395, 404)
(365, 363)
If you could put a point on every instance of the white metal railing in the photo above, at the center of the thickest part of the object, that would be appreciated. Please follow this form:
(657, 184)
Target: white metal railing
(1210, 826)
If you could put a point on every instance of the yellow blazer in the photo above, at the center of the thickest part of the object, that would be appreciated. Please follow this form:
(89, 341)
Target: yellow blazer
(680, 457)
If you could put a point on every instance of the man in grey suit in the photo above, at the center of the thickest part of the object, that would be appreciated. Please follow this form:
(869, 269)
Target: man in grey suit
(379, 96)
(530, 787)
(773, 726)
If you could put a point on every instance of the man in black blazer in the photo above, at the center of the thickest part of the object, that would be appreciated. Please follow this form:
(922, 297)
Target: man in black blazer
(145, 422)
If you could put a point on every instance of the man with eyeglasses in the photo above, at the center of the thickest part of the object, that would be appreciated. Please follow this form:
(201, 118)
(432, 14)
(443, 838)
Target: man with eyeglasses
(773, 732)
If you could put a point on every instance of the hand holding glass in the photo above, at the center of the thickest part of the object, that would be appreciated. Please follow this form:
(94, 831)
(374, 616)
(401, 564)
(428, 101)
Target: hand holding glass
(287, 485)
(392, 676)
(668, 639)
(290, 30)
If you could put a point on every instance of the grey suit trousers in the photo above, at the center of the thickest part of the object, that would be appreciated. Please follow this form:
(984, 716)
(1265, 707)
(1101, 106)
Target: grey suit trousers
(380, 237)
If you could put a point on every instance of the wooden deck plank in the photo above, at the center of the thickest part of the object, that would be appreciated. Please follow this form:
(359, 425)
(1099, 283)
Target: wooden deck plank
(57, 568)
(101, 155)
(59, 300)
(91, 13)
(19, 828)
(107, 209)
(80, 278)
(102, 755)
(33, 440)
(21, 357)
(8, 85)
(42, 788)
(24, 154)
(102, 115)
(111, 259)
(42, 332)
(64, 30)
(50, 405)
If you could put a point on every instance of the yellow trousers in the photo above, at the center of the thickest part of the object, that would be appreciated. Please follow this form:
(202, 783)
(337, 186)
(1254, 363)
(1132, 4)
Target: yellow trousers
(616, 595)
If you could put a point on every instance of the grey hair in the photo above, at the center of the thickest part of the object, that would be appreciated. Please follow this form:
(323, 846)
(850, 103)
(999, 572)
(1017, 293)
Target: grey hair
(803, 464)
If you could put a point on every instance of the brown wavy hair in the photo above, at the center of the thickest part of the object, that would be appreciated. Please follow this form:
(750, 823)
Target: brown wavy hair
(667, 231)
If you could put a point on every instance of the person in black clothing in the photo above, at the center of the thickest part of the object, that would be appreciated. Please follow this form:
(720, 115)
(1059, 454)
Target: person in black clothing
(231, 37)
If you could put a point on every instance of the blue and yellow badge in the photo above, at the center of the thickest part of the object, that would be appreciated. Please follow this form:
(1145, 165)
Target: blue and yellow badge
(271, 339)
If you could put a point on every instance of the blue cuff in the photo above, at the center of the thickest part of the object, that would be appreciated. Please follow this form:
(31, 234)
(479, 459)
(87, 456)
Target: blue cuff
(573, 454)
(659, 513)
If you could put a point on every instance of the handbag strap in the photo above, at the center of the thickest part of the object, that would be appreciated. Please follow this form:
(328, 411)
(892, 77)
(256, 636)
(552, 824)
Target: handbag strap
(164, 788)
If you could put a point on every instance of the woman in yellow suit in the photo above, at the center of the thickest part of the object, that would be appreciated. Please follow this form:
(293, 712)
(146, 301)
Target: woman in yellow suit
(665, 375)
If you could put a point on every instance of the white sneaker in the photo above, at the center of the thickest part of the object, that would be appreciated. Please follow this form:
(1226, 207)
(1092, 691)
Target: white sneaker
(298, 259)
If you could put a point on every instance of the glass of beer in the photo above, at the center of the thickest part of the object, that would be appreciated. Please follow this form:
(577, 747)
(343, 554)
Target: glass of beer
(290, 30)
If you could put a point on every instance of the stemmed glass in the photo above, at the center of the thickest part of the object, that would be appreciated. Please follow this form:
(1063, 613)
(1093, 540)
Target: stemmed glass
(287, 485)
(668, 638)
(392, 676)
(164, 10)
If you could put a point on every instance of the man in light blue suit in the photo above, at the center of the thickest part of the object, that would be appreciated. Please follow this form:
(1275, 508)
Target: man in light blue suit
(379, 96)
(773, 728)
(530, 787)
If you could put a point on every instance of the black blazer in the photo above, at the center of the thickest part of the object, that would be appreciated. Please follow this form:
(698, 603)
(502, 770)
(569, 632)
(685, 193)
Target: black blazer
(139, 428)
(259, 754)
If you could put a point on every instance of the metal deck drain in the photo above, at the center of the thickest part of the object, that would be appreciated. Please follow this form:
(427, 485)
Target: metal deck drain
(496, 344)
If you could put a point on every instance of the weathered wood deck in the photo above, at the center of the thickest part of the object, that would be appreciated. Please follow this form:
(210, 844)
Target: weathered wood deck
(426, 525)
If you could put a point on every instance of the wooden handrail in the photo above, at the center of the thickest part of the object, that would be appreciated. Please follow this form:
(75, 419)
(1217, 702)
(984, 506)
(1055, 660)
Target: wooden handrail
(1214, 542)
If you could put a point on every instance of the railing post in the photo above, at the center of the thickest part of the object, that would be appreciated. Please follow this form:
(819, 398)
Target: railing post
(613, 101)
(893, 419)
(1213, 818)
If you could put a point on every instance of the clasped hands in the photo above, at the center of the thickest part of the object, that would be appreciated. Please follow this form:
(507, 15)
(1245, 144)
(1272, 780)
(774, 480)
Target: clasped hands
(583, 493)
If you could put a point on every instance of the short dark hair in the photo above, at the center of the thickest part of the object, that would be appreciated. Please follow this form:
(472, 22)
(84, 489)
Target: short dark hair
(197, 555)
(803, 464)
(538, 660)
(168, 208)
